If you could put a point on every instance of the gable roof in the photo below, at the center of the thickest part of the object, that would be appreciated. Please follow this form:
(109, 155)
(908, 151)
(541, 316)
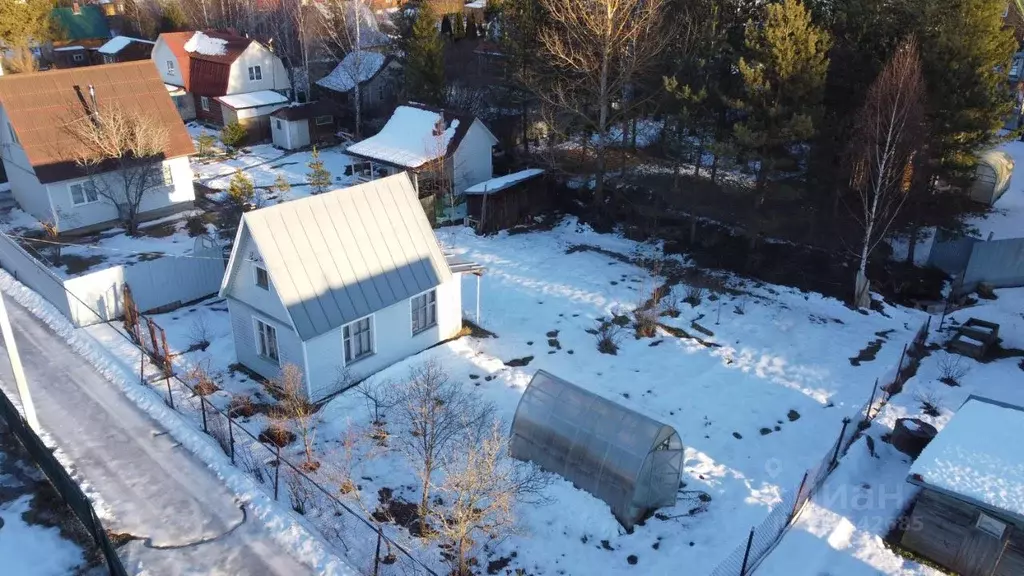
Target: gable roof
(37, 105)
(175, 42)
(215, 46)
(343, 77)
(337, 257)
(88, 23)
(409, 140)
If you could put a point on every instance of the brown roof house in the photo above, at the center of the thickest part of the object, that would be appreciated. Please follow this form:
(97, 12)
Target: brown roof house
(124, 49)
(218, 77)
(446, 152)
(40, 150)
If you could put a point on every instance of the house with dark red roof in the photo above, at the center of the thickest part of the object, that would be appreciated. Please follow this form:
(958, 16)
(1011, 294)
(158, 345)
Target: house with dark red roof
(41, 155)
(220, 77)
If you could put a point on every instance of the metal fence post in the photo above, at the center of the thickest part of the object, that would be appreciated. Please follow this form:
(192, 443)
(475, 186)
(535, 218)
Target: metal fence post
(746, 555)
(170, 398)
(839, 443)
(142, 366)
(376, 556)
(202, 404)
(231, 438)
(871, 402)
(277, 470)
(799, 495)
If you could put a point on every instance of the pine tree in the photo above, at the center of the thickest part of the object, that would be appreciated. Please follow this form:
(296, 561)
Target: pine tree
(26, 21)
(240, 189)
(172, 17)
(424, 66)
(281, 187)
(459, 27)
(783, 81)
(319, 179)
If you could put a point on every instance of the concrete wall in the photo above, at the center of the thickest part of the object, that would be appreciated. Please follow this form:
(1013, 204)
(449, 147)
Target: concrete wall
(393, 340)
(72, 217)
(472, 159)
(275, 77)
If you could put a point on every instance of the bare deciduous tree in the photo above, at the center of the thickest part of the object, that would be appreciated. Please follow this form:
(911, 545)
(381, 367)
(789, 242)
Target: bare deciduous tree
(121, 150)
(299, 411)
(347, 27)
(593, 52)
(437, 414)
(887, 136)
(19, 59)
(481, 487)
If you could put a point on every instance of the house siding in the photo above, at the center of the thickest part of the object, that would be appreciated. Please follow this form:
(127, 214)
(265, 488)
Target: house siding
(160, 55)
(74, 217)
(25, 186)
(275, 77)
(242, 284)
(291, 135)
(243, 328)
(213, 116)
(472, 159)
(393, 341)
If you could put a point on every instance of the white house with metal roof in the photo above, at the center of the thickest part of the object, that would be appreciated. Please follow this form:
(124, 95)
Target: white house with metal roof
(340, 284)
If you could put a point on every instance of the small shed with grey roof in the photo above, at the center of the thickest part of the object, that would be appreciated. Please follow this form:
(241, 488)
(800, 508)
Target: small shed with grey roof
(341, 284)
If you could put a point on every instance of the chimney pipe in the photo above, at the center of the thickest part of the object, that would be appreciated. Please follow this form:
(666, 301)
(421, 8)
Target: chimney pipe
(92, 98)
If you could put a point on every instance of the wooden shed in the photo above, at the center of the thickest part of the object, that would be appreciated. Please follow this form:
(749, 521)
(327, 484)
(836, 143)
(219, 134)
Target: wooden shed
(505, 201)
(992, 176)
(969, 516)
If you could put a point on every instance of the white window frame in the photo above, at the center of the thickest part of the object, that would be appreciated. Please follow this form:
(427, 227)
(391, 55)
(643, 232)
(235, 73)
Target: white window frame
(171, 70)
(78, 57)
(255, 73)
(204, 103)
(278, 124)
(992, 526)
(256, 323)
(256, 276)
(167, 175)
(346, 337)
(327, 119)
(413, 308)
(86, 186)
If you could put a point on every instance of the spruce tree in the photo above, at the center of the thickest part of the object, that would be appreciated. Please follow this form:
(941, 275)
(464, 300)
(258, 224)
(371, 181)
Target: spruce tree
(783, 81)
(459, 27)
(240, 189)
(319, 179)
(281, 187)
(424, 66)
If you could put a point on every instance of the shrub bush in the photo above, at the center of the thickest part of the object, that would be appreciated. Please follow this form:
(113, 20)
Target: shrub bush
(608, 335)
(233, 135)
(206, 143)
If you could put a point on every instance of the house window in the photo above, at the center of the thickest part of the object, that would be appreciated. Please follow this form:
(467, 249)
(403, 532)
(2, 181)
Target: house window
(278, 124)
(266, 340)
(358, 338)
(204, 103)
(78, 57)
(424, 311)
(83, 193)
(255, 73)
(990, 525)
(170, 68)
(168, 176)
(262, 278)
(323, 120)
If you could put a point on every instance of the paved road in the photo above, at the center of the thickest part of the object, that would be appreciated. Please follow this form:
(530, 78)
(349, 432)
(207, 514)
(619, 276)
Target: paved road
(186, 520)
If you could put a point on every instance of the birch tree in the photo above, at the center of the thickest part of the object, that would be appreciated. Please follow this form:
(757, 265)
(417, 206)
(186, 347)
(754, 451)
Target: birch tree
(887, 137)
(343, 29)
(121, 151)
(593, 52)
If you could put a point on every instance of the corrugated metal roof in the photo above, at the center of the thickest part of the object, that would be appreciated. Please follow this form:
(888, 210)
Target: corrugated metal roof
(339, 256)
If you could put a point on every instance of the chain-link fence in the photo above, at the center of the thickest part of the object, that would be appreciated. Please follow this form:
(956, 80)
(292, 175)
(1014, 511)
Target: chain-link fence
(61, 480)
(762, 538)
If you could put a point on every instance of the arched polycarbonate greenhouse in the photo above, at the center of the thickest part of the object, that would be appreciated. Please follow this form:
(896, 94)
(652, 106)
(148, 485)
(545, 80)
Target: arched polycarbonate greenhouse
(630, 461)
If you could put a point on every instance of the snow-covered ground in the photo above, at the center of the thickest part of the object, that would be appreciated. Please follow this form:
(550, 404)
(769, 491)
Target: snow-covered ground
(841, 531)
(30, 545)
(756, 406)
(264, 163)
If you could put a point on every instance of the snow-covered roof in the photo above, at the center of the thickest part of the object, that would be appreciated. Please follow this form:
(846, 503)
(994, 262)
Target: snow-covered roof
(118, 43)
(174, 90)
(978, 456)
(201, 43)
(356, 64)
(68, 48)
(253, 99)
(409, 139)
(477, 4)
(501, 182)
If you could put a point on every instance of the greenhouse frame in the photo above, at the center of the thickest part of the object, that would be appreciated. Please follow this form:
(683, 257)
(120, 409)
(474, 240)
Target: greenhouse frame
(628, 460)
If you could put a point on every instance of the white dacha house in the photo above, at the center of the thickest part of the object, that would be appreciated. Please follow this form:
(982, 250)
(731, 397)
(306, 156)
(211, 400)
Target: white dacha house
(341, 284)
(37, 148)
(416, 137)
